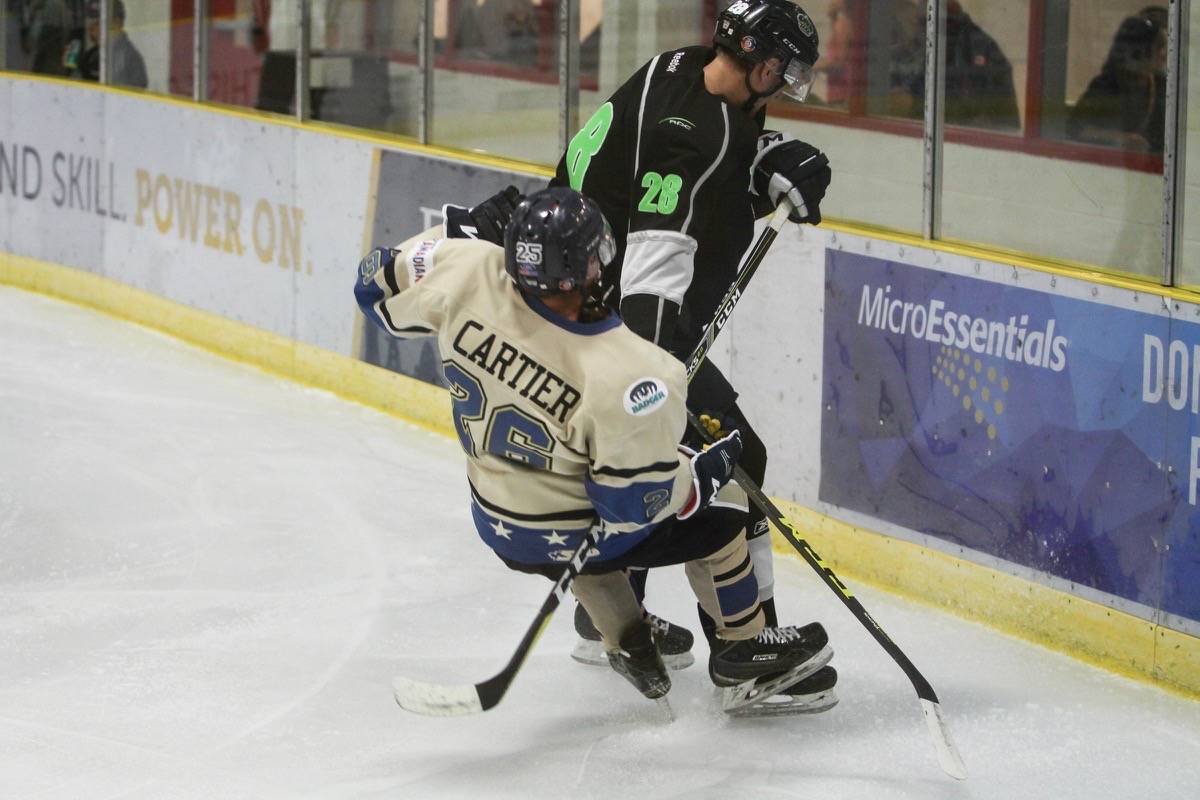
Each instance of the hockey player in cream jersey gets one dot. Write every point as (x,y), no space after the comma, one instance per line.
(570,422)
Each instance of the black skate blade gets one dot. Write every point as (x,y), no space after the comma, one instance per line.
(748,693)
(782,705)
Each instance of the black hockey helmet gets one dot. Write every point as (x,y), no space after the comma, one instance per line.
(556,240)
(754,31)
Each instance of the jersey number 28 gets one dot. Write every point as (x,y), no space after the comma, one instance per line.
(585,144)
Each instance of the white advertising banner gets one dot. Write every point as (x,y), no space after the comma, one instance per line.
(255,221)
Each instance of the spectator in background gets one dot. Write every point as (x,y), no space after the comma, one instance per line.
(45,29)
(128,68)
(1125,105)
(979,82)
(498,30)
(839,52)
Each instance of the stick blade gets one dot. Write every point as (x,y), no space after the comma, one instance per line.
(947,754)
(436,700)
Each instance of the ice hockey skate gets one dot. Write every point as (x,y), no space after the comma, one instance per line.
(751,670)
(639,662)
(674,641)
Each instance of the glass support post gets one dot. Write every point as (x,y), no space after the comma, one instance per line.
(935,117)
(568,71)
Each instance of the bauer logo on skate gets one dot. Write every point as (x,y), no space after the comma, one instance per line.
(1013,339)
(644,396)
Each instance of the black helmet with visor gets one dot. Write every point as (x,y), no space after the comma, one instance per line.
(755,31)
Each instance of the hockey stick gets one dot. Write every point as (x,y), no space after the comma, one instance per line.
(754,257)
(449,700)
(446,700)
(948,756)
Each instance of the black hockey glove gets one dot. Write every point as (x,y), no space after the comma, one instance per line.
(787,166)
(711,469)
(485,221)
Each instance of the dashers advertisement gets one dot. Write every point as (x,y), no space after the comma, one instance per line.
(1052,432)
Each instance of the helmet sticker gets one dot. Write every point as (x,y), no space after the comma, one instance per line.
(748,44)
(740,7)
(644,396)
(529,252)
(804,23)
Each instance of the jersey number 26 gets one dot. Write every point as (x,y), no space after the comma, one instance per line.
(510,433)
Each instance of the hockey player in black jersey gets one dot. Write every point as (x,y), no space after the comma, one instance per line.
(678,161)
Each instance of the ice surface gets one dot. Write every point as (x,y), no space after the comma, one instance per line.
(210,576)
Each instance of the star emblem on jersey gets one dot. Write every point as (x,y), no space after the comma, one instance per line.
(501,531)
(555,538)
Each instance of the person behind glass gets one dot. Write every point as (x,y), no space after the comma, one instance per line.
(840,51)
(1125,105)
(679,162)
(979,83)
(126,67)
(45,29)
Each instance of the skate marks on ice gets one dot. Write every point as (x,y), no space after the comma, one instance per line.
(197,556)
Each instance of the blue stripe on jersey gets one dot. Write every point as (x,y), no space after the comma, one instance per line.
(636,503)
(368,294)
(739,596)
(574,326)
(543,546)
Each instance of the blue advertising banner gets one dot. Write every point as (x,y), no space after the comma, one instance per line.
(1051,432)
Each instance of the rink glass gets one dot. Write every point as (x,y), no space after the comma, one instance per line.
(1053,141)
(1189,269)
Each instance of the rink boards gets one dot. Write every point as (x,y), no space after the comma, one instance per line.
(1002,439)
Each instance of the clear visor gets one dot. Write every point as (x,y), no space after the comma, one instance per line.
(798,79)
(607,248)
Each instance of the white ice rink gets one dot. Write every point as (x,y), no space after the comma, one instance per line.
(209,576)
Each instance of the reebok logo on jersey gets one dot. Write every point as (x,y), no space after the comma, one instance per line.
(644,396)
(675,59)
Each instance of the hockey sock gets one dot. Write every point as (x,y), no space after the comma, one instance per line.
(708,625)
(637,579)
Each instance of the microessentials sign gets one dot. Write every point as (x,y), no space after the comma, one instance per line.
(1010,339)
(1049,431)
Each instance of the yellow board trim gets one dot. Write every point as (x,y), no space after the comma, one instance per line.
(414,400)
(1086,630)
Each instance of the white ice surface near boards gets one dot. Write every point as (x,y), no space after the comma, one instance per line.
(209,576)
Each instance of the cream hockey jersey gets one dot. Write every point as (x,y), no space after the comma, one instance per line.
(566,425)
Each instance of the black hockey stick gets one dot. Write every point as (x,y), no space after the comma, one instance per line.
(754,257)
(449,700)
(948,756)
(446,700)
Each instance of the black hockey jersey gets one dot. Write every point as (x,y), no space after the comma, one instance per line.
(669,165)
